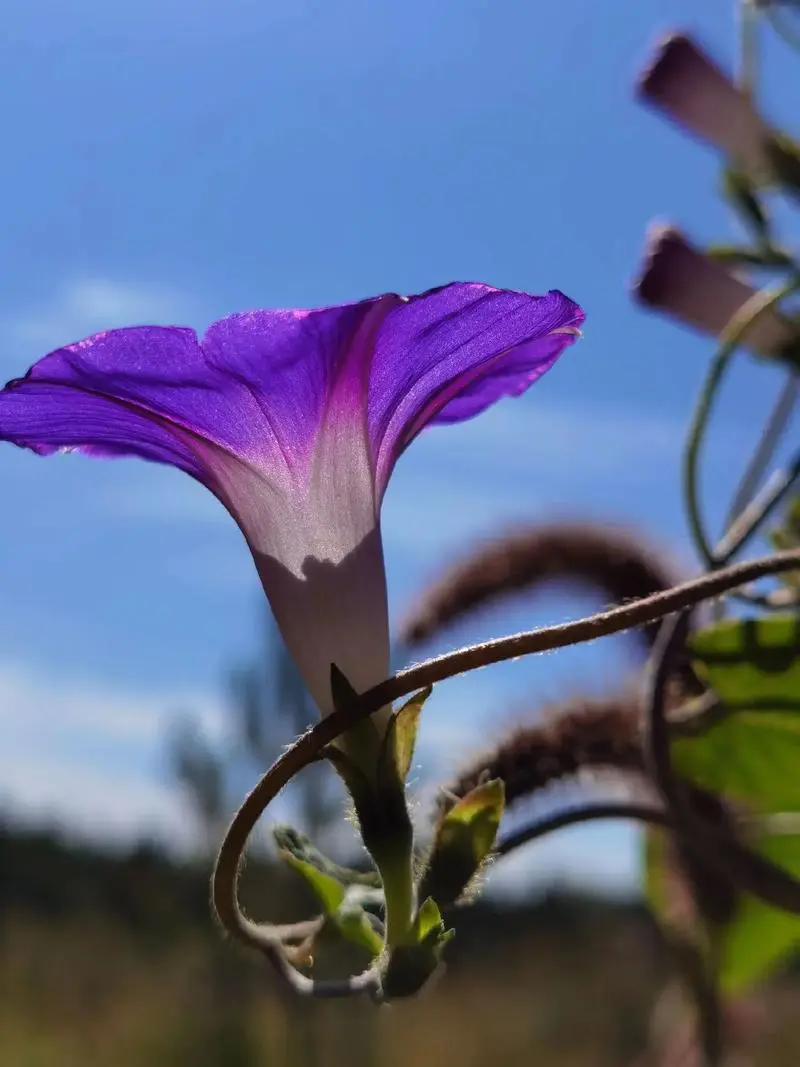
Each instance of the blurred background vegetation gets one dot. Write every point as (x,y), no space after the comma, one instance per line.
(111,957)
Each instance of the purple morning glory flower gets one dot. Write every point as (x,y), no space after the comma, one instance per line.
(295,420)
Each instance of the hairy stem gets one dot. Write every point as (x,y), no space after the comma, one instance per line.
(308,747)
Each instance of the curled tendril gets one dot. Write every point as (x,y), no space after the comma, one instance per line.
(733,335)
(774,429)
(307,748)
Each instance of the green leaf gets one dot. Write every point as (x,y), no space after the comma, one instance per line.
(481,811)
(328,891)
(464,839)
(753,753)
(331,884)
(353,922)
(760,935)
(288,839)
(401,736)
(752,756)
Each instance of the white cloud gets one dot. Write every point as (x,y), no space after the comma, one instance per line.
(90,755)
(42,707)
(108,805)
(524,439)
(87,755)
(87,305)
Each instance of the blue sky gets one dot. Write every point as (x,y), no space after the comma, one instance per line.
(172,162)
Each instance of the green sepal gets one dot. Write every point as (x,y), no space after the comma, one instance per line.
(742,256)
(741,192)
(401,736)
(341,690)
(407,968)
(784,159)
(464,840)
(429,928)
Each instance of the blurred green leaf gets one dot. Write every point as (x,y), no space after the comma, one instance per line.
(327,890)
(330,884)
(760,935)
(752,756)
(353,922)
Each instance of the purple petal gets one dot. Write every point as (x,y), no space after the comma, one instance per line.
(261,385)
(450,353)
(255,386)
(295,420)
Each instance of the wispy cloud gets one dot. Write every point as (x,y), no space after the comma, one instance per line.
(91,755)
(86,756)
(82,306)
(527,439)
(100,803)
(35,704)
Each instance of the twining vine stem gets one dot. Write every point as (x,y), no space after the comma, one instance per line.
(771,435)
(733,335)
(308,747)
(560,820)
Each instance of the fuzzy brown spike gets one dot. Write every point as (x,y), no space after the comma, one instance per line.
(584,733)
(611,560)
(597,733)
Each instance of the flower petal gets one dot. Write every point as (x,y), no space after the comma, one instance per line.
(295,419)
(89,396)
(255,386)
(450,353)
(684,83)
(681,281)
